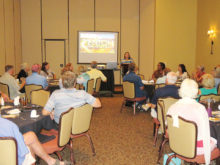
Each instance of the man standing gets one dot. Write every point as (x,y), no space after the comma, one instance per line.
(7,78)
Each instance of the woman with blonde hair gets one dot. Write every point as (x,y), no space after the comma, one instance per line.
(208,85)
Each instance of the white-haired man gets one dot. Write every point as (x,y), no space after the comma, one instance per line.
(170,90)
(62,100)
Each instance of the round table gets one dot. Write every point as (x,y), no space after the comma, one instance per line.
(26,123)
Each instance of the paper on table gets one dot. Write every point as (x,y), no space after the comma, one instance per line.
(144,81)
(9,116)
(14,111)
(34,114)
(6,107)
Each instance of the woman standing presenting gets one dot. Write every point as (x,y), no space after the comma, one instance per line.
(125,62)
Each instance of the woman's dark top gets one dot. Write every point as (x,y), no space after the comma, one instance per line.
(21,74)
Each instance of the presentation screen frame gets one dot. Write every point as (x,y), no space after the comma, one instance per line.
(97,32)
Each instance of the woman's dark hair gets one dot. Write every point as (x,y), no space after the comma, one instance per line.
(163,66)
(183,68)
(44,64)
(129,56)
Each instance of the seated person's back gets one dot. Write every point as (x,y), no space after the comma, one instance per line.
(95,73)
(189,109)
(8,79)
(35,78)
(64,99)
(170,90)
(208,83)
(132,77)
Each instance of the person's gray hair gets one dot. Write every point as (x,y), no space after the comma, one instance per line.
(69,79)
(24,65)
(171,78)
(202,68)
(93,64)
(217,72)
(188,89)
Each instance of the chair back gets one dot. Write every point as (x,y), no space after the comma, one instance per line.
(98,84)
(65,125)
(81,119)
(182,139)
(29,88)
(210,96)
(90,84)
(159,85)
(163,104)
(39,97)
(128,89)
(8,151)
(141,76)
(5,89)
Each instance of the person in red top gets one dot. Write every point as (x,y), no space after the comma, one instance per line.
(200,71)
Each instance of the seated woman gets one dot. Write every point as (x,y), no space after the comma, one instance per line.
(208,85)
(200,71)
(23,74)
(182,72)
(160,72)
(217,76)
(81,79)
(46,72)
(24,71)
(189,109)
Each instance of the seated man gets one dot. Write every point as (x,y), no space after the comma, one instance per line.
(36,78)
(160,72)
(95,73)
(26,143)
(170,90)
(132,77)
(67,97)
(7,78)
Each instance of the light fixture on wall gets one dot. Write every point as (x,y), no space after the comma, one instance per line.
(212,35)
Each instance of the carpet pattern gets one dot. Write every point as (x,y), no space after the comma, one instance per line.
(119,138)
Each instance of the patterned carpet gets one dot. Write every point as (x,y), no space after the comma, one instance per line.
(119,138)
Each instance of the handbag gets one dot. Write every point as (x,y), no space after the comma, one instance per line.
(173,161)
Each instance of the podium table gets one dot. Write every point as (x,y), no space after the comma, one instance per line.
(107,87)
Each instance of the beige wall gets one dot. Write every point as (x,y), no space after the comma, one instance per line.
(175,33)
(147,31)
(10,31)
(150,30)
(62,19)
(208,16)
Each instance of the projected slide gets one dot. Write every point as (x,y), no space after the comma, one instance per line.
(97,46)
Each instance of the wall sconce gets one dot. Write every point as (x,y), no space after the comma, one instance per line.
(212,35)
